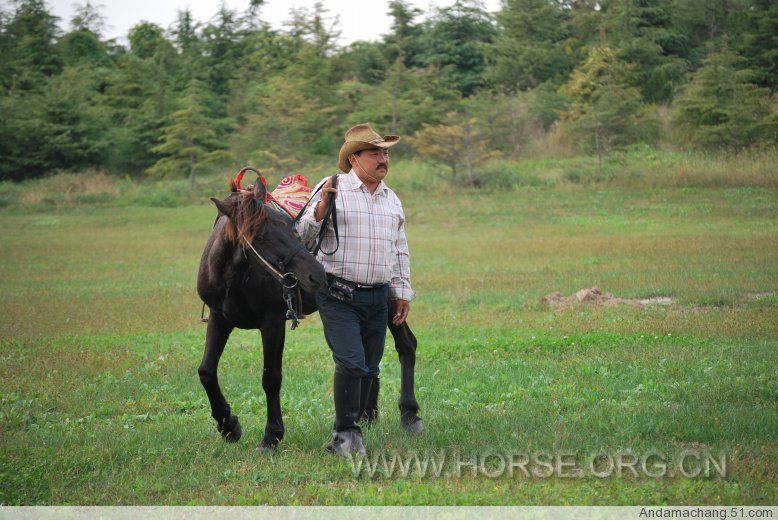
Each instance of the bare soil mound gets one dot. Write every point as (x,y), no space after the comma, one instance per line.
(596,297)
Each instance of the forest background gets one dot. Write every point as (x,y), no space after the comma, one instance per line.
(472,93)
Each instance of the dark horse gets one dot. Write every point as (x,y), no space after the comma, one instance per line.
(241,292)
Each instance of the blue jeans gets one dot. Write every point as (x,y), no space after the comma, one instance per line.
(356,331)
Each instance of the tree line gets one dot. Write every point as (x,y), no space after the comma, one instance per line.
(463,85)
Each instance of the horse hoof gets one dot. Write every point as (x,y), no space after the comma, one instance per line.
(412,424)
(269,442)
(266,449)
(230,429)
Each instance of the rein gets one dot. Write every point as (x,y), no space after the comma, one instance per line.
(330,215)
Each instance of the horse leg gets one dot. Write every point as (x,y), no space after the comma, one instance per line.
(273,331)
(405,344)
(215,340)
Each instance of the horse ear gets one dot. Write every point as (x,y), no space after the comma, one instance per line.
(224,206)
(260,189)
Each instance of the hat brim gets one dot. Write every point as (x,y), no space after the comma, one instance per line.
(350,147)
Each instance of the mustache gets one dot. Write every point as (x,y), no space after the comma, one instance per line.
(382,165)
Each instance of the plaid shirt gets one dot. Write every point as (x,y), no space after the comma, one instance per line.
(373,248)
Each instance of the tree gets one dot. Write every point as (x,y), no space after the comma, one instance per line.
(506,120)
(643,33)
(146,39)
(268,54)
(82,44)
(137,114)
(423,96)
(368,61)
(21,138)
(188,144)
(722,108)
(606,111)
(455,42)
(61,127)
(460,144)
(74,124)
(30,51)
(141,93)
(708,22)
(187,40)
(88,18)
(403,48)
(316,28)
(534,45)
(403,39)
(222,50)
(760,43)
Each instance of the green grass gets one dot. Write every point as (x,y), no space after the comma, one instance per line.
(100,401)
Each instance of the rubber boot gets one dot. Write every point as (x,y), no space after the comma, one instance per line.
(368,400)
(347,437)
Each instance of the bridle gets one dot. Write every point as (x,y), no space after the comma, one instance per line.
(278,271)
(287,279)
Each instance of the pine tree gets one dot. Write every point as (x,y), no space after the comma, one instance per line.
(534,45)
(455,42)
(760,43)
(722,108)
(606,111)
(189,143)
(505,119)
(30,53)
(82,44)
(644,36)
(403,39)
(460,144)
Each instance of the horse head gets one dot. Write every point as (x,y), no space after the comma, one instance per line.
(250,221)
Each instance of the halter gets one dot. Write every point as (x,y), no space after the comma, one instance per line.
(287,279)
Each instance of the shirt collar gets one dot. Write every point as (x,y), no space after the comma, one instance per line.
(356,183)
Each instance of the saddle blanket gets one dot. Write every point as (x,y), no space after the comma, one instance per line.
(291,194)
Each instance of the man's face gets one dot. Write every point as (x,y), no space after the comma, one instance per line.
(373,162)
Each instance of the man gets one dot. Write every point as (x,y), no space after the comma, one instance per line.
(373,259)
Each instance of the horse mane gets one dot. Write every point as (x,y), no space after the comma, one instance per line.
(248,215)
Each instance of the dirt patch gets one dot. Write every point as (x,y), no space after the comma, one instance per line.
(596,297)
(755,297)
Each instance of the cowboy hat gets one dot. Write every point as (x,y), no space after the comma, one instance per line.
(362,137)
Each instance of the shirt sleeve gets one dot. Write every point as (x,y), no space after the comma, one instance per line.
(400,286)
(307,226)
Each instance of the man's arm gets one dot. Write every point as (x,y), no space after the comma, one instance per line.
(309,224)
(400,286)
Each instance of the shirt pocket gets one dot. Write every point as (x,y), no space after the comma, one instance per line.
(392,227)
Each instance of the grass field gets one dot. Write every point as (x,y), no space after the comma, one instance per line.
(100,337)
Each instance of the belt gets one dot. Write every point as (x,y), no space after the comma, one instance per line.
(359,286)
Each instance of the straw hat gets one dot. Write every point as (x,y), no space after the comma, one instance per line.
(362,137)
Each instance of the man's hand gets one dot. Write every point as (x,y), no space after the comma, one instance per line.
(403,307)
(328,194)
